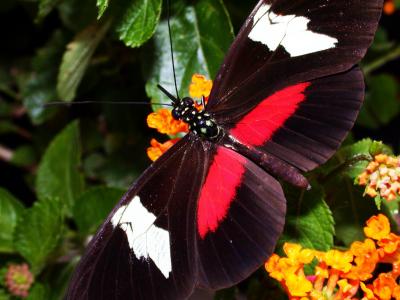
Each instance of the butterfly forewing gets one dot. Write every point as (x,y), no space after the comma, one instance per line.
(305,123)
(285,42)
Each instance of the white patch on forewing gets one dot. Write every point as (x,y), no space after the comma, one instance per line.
(145,239)
(288,31)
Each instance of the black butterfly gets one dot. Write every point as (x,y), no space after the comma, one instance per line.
(208,213)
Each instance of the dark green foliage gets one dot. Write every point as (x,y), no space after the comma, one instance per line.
(62,169)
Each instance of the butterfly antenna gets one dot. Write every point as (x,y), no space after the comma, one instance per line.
(168,94)
(171,48)
(62,103)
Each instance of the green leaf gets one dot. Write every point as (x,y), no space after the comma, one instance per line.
(45,7)
(58,173)
(350,209)
(39,231)
(226,294)
(76,15)
(41,85)
(309,221)
(381,104)
(10,211)
(201,34)
(381,41)
(139,22)
(57,276)
(37,292)
(352,160)
(76,59)
(24,156)
(8,127)
(93,206)
(102,6)
(4,295)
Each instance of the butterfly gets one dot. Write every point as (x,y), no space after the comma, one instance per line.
(210,210)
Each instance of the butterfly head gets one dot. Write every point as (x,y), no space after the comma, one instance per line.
(199,121)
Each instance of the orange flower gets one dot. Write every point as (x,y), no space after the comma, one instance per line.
(163,121)
(383,286)
(396,293)
(389,7)
(389,244)
(365,259)
(340,275)
(200,86)
(157,149)
(378,227)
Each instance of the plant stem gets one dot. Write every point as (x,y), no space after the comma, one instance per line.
(379,62)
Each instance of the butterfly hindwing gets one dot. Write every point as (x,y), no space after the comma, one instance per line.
(245,216)
(145,249)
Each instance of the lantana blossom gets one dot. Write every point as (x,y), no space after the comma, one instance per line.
(18,280)
(382,177)
(342,275)
(164,123)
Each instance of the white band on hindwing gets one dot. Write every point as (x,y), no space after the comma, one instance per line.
(145,239)
(290,32)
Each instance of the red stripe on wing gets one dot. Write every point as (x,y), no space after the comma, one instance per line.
(219,189)
(259,124)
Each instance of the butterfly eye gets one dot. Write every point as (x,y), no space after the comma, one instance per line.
(176,114)
(187,102)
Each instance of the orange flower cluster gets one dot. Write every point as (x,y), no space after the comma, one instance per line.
(342,275)
(382,177)
(157,149)
(163,121)
(389,7)
(18,280)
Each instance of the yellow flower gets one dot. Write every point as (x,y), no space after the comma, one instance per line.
(157,149)
(200,86)
(298,255)
(378,227)
(273,268)
(339,260)
(298,286)
(368,293)
(340,275)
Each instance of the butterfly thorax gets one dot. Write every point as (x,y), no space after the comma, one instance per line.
(199,121)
